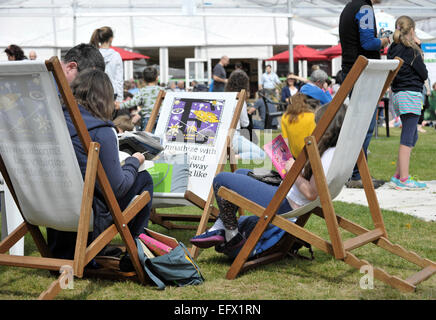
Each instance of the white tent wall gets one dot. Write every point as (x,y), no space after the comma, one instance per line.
(248,29)
(237,37)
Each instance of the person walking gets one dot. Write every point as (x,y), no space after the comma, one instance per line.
(219,74)
(358,36)
(102,39)
(269,80)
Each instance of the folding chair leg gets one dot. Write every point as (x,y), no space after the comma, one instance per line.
(56,286)
(301,221)
(39,240)
(248,247)
(13,237)
(203,221)
(325,198)
(86,208)
(371,196)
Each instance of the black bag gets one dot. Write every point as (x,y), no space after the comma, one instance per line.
(267,176)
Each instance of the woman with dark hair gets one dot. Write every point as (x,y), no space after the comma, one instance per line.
(94,94)
(225,233)
(289,89)
(243,148)
(102,39)
(15,53)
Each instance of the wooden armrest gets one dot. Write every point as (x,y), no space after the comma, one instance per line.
(241,201)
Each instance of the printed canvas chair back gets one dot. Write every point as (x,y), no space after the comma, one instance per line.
(36,147)
(362,105)
(39,164)
(197,123)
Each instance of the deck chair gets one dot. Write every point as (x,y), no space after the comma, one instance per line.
(368,79)
(10,217)
(199,192)
(39,165)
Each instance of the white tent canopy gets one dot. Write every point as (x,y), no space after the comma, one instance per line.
(154,29)
(252,29)
(163,23)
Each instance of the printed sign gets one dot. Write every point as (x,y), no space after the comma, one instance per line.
(197,123)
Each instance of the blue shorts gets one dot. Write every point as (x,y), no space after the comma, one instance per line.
(409,131)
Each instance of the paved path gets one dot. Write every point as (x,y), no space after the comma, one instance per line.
(419,203)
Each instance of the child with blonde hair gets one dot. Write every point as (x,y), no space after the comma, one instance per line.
(407,88)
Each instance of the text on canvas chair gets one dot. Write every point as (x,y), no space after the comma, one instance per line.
(38,163)
(224,153)
(370,79)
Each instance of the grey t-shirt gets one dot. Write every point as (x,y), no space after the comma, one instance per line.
(219,71)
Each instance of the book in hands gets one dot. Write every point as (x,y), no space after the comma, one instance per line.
(279,153)
(144,166)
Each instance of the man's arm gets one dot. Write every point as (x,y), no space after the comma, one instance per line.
(277,79)
(261,82)
(219,79)
(298,78)
(216,77)
(366,21)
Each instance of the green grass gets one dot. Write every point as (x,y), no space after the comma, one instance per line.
(384,152)
(322,278)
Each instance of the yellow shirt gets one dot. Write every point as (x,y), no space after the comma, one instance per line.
(296,131)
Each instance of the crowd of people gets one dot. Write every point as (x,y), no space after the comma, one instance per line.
(107,102)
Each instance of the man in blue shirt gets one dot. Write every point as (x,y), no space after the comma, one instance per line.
(358,36)
(269,80)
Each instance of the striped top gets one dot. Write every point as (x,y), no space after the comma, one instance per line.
(408,102)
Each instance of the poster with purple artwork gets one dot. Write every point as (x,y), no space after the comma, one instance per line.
(198,124)
(194,121)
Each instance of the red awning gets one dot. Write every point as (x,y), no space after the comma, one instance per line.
(301,52)
(336,51)
(129,55)
(332,52)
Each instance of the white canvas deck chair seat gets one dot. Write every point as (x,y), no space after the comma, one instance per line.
(370,79)
(207,116)
(38,163)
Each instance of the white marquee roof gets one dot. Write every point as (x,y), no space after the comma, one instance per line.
(161,23)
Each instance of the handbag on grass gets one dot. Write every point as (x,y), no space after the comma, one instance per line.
(177,267)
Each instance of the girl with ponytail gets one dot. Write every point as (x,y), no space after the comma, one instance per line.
(102,39)
(408,98)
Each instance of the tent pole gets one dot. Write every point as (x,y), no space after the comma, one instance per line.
(290,37)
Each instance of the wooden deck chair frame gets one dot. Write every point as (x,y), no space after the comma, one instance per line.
(83,253)
(337,247)
(209,211)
